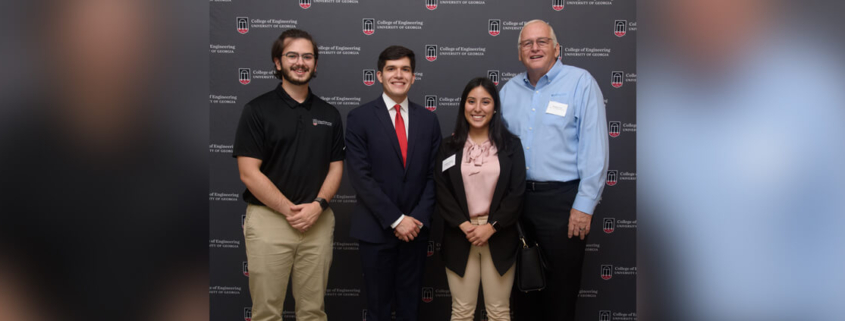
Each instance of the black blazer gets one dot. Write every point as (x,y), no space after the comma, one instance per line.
(505,207)
(385,189)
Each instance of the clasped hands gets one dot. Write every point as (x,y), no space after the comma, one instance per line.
(477,234)
(302,216)
(408,228)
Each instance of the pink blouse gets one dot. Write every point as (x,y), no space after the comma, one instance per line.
(480,171)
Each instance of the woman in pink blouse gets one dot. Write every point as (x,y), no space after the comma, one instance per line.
(480,177)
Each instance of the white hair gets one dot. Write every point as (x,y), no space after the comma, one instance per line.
(551,31)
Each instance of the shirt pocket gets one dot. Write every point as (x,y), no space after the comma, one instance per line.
(559,103)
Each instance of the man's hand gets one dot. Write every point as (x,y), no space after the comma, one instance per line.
(284,206)
(579,223)
(407,229)
(480,234)
(304,215)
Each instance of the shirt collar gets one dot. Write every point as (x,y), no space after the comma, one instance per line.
(390,103)
(548,77)
(292,103)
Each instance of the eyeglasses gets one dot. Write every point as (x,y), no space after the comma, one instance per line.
(541,42)
(292,56)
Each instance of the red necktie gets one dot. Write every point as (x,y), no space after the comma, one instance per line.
(400,133)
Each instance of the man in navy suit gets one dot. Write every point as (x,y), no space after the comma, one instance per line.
(390,148)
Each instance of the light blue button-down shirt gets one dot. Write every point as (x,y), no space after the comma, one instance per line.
(561,148)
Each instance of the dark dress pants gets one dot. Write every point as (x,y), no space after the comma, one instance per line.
(546,219)
(393,278)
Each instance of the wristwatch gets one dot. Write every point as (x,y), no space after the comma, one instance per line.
(493,224)
(323,203)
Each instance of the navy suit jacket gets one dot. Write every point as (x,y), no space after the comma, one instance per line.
(385,189)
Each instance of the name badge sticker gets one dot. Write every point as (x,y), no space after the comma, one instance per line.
(556,108)
(448,162)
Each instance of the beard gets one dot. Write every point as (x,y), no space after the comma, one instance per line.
(287,75)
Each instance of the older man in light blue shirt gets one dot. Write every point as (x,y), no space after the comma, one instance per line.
(558,113)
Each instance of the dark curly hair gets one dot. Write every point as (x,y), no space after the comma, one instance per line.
(279,47)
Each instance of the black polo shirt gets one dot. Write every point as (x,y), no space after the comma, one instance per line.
(296,142)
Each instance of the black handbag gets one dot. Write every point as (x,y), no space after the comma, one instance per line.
(530,265)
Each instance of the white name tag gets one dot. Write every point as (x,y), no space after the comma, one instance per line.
(556,108)
(448,162)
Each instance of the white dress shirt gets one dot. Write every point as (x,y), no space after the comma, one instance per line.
(403,108)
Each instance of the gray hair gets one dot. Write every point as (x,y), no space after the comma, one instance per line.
(551,31)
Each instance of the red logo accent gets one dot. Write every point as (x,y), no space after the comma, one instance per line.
(494,27)
(427,295)
(431,52)
(243,76)
(611,178)
(606,272)
(608,226)
(620,27)
(616,79)
(369,26)
(493,75)
(431,102)
(242,24)
(614,129)
(369,77)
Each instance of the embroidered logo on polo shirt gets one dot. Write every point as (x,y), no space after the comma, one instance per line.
(316,122)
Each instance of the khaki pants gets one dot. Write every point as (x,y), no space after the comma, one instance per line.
(480,270)
(274,249)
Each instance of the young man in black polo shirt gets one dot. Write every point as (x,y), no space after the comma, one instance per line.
(290,150)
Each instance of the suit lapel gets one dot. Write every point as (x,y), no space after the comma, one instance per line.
(380,110)
(458,182)
(414,133)
(501,183)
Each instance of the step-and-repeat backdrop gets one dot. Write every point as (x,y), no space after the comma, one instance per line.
(454,40)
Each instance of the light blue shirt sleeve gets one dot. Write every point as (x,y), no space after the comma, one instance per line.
(593,151)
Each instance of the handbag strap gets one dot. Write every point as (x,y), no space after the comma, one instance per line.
(521,235)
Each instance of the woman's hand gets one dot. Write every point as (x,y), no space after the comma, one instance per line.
(480,234)
(466,227)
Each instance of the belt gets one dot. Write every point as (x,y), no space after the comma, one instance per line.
(534,186)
